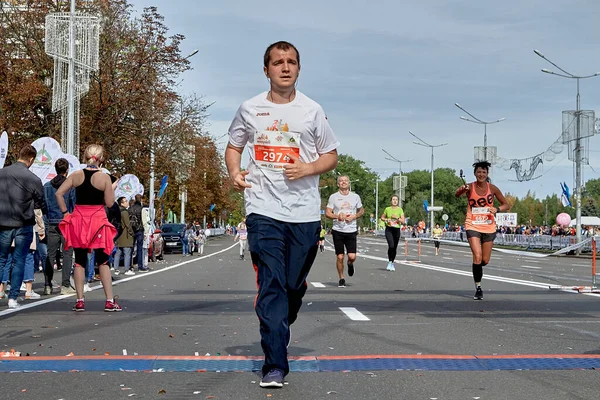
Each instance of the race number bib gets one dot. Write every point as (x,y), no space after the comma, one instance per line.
(482,216)
(271,149)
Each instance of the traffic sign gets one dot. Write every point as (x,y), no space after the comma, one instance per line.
(445,217)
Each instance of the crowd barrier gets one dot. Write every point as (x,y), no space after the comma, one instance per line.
(210,232)
(528,242)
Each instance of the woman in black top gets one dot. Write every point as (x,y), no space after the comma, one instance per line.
(88,229)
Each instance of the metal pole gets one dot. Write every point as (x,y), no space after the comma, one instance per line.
(183,200)
(377,204)
(484,142)
(70,142)
(578,169)
(431,212)
(151,194)
(400,184)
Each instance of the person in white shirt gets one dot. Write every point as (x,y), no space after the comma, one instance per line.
(344,208)
(289,144)
(242,236)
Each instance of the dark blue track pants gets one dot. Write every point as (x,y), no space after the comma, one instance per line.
(282,255)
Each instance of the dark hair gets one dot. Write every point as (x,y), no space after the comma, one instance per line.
(482,164)
(138,198)
(281,45)
(120,200)
(61,166)
(27,152)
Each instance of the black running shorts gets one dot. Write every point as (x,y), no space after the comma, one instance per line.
(343,239)
(484,237)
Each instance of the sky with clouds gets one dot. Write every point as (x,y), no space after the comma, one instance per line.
(381,68)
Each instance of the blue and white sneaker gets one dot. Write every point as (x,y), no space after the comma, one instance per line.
(390,267)
(273,379)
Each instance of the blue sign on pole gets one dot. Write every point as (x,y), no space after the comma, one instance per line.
(212,207)
(426,205)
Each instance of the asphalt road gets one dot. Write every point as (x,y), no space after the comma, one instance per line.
(415,333)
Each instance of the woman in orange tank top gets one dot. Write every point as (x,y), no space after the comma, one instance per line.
(480,222)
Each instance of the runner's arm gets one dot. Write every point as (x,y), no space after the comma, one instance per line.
(233,159)
(504,204)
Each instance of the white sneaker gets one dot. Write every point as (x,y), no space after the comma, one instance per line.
(87,288)
(32,295)
(392,268)
(389,265)
(112,268)
(12,303)
(23,287)
(129,272)
(117,272)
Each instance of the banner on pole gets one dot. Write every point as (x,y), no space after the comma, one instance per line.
(48,151)
(506,219)
(128,186)
(3,148)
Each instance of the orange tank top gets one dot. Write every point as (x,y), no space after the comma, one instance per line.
(478,216)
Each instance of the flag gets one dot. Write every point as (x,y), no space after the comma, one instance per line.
(212,207)
(565,198)
(163,186)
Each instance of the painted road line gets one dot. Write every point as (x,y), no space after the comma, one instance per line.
(529,266)
(447,258)
(38,303)
(535,284)
(317,284)
(354,314)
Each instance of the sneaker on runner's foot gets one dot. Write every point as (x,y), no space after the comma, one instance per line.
(342,283)
(112,306)
(79,306)
(273,379)
(478,294)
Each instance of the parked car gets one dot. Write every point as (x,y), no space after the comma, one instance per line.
(156,247)
(172,235)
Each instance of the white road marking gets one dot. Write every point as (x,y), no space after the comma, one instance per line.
(317,284)
(529,266)
(540,285)
(38,303)
(447,258)
(354,314)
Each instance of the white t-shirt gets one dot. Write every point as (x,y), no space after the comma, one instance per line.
(270,131)
(349,204)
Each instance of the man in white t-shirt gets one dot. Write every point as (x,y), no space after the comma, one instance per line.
(344,208)
(289,144)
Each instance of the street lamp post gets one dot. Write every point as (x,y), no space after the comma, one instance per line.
(423,143)
(578,179)
(480,122)
(392,158)
(152,156)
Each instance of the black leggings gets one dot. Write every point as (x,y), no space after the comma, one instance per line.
(392,235)
(81,256)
